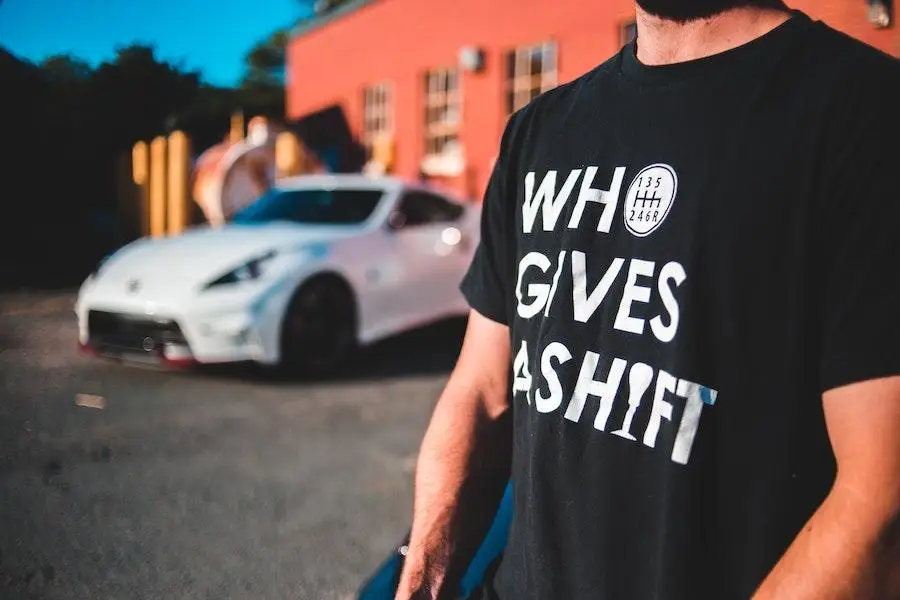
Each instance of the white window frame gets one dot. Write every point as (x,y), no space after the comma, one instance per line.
(522,85)
(378,112)
(442,93)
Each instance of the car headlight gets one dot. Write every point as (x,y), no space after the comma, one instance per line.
(249,271)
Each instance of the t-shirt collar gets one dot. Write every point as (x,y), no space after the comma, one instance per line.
(632,68)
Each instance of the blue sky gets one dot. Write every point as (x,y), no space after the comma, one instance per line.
(210,35)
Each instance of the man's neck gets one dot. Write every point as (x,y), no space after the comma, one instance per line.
(663,42)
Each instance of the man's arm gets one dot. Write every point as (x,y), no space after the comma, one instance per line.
(463,465)
(850,548)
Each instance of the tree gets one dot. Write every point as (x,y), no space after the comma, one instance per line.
(262,85)
(71,122)
(265,60)
(261,89)
(323,7)
(64,68)
(136,96)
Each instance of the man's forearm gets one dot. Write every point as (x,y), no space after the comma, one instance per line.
(462,470)
(849,550)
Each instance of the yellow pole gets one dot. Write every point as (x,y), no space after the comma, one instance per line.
(140,167)
(383,152)
(287,154)
(179,165)
(158,187)
(237,127)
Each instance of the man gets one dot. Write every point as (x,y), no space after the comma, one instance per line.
(688,281)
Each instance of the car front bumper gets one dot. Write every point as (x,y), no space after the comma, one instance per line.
(181,333)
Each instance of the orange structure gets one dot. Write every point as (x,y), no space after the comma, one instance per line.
(440,77)
(231,174)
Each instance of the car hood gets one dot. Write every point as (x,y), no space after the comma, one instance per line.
(204,253)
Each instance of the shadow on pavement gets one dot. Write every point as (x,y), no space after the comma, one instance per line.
(6,340)
(429,350)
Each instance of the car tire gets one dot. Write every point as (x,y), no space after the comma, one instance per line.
(318,331)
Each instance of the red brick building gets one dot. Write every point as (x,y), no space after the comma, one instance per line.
(440,77)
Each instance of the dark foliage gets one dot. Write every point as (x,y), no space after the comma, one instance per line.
(68,125)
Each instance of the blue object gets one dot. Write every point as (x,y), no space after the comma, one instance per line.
(331,158)
(382,585)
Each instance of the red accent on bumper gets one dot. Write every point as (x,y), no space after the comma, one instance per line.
(178,363)
(87,349)
(175,363)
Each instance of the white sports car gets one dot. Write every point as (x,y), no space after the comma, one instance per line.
(312,268)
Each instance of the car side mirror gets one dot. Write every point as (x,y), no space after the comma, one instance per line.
(396,221)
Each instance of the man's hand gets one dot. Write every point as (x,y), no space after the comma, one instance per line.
(850,549)
(463,465)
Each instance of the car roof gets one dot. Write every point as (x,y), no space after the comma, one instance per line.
(354,180)
(358,180)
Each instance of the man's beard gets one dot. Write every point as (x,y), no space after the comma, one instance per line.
(689,10)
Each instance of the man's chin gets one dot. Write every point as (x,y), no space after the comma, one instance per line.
(683,11)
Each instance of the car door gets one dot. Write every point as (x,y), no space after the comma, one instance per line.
(434,251)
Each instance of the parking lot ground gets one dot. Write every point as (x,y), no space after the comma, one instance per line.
(126,482)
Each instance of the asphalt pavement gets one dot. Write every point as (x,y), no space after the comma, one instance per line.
(132,483)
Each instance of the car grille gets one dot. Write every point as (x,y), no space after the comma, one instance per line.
(120,332)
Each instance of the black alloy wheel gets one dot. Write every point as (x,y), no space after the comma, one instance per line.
(319,330)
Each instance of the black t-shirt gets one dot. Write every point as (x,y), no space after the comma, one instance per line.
(687,257)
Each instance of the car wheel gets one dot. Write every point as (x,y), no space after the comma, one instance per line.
(319,328)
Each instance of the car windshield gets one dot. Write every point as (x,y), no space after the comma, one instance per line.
(314,205)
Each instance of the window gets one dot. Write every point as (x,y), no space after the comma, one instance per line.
(378,113)
(424,208)
(530,71)
(313,205)
(442,105)
(628,32)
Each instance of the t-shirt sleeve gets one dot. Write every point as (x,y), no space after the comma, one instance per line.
(486,284)
(860,308)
